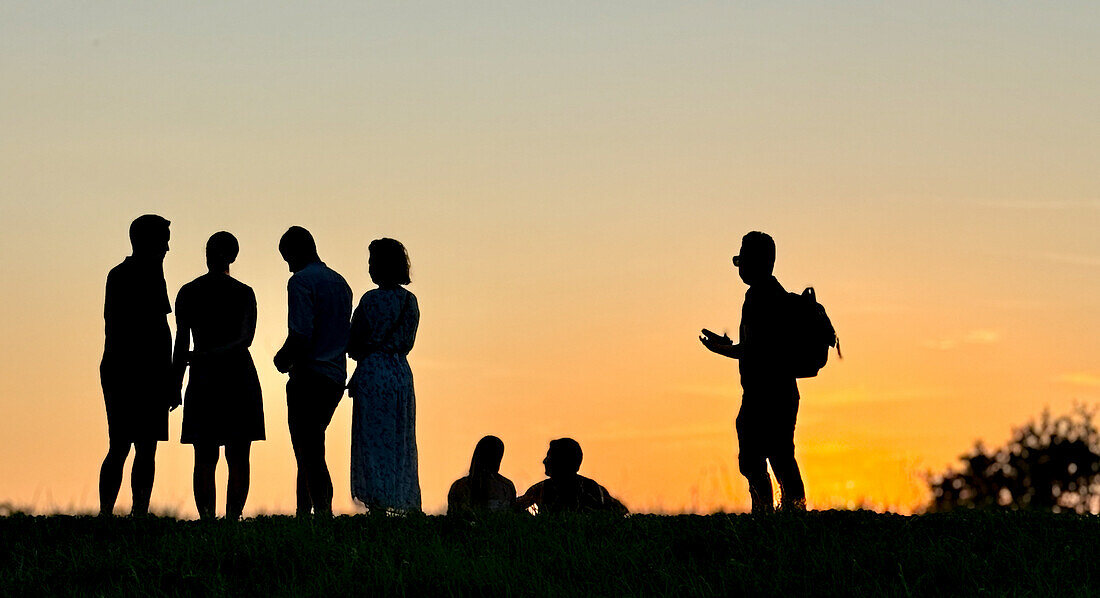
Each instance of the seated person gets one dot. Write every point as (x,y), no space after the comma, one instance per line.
(484,489)
(566,491)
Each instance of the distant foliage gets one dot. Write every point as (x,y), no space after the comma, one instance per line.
(1051,464)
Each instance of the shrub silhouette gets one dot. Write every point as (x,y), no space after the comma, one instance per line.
(1050,464)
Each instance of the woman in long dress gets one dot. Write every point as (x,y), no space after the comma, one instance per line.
(222,405)
(383,434)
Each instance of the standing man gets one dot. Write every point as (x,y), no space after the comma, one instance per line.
(314,356)
(136,372)
(769,404)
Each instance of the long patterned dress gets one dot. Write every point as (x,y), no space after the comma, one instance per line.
(383,427)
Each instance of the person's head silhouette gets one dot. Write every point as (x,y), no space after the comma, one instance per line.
(298,248)
(149,237)
(388,263)
(563,458)
(221,250)
(487,455)
(756,258)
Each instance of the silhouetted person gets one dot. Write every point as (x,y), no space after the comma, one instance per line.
(484,489)
(567,491)
(314,356)
(383,424)
(769,404)
(223,405)
(136,372)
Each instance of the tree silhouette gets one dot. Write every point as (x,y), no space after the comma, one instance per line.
(1050,464)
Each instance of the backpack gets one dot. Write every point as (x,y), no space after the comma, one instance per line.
(811,335)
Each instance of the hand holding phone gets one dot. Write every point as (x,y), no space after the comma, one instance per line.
(710,336)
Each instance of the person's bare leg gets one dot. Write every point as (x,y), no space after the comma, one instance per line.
(206,463)
(236,455)
(141,476)
(110,476)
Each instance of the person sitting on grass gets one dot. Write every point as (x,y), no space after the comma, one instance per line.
(484,490)
(566,491)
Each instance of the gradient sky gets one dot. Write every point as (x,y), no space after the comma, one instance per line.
(571,180)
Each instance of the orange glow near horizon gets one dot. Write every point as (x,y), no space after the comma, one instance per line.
(570,187)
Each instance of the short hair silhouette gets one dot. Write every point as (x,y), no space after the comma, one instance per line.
(565,455)
(388,262)
(297,242)
(759,247)
(221,250)
(148,232)
(487,456)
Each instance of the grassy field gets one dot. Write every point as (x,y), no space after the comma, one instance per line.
(811,554)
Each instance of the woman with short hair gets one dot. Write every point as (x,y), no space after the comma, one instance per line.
(383,433)
(223,405)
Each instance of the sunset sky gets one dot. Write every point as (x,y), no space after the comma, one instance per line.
(570,180)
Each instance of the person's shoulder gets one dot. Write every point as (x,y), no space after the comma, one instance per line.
(369,298)
(590,486)
(537,487)
(121,271)
(505,483)
(587,482)
(323,269)
(190,287)
(238,286)
(778,287)
(303,280)
(242,291)
(119,268)
(332,277)
(298,278)
(461,485)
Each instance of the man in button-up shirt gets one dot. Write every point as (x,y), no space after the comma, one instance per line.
(314,355)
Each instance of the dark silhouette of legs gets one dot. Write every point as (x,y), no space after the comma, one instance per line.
(314,481)
(311,401)
(141,476)
(305,505)
(206,463)
(793,492)
(236,455)
(110,476)
(755,470)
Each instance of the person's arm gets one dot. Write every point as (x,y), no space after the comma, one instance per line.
(292,351)
(530,498)
(360,332)
(511,494)
(412,314)
(118,310)
(299,325)
(180,355)
(458,499)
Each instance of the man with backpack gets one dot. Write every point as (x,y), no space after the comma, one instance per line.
(769,404)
